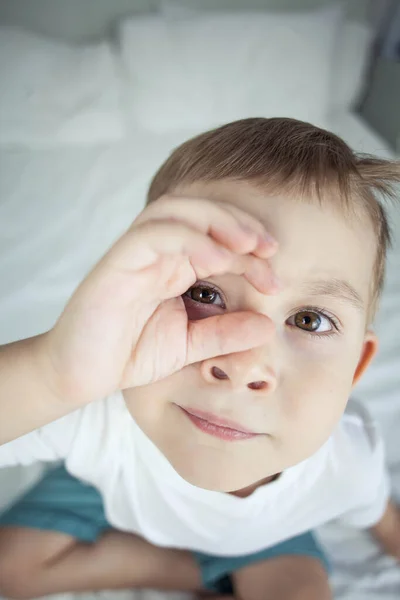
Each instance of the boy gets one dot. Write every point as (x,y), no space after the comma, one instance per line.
(236,353)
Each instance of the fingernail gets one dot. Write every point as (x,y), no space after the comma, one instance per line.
(267,237)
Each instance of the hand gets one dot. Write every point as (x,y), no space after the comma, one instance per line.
(387,530)
(126,325)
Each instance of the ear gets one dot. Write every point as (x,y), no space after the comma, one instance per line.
(368,351)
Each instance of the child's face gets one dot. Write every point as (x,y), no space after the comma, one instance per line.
(318,350)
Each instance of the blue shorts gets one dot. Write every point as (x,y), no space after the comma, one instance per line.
(60,502)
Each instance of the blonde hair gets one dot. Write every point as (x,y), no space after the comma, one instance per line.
(289,156)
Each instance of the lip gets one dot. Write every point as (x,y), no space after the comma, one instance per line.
(224,429)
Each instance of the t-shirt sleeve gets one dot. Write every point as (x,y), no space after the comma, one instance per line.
(371,477)
(49,443)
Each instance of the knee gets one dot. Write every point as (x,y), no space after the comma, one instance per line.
(313,585)
(312,591)
(14,583)
(16,573)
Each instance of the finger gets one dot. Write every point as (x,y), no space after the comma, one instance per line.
(235,229)
(259,273)
(267,245)
(140,247)
(224,334)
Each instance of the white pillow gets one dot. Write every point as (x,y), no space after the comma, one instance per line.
(211,68)
(353,45)
(54,93)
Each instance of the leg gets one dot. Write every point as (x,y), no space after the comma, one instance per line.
(36,563)
(286,577)
(57,538)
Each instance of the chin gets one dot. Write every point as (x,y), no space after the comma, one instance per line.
(213,481)
(212,475)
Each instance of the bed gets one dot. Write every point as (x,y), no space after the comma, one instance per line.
(74,174)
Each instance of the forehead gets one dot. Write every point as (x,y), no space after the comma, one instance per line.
(316,241)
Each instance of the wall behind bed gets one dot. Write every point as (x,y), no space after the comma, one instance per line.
(85,19)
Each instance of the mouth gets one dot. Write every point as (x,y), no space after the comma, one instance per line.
(223,429)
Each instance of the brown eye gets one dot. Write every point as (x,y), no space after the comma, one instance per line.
(203,294)
(310,321)
(314,322)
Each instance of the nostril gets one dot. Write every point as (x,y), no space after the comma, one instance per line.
(218,373)
(257,385)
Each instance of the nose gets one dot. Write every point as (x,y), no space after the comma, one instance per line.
(242,370)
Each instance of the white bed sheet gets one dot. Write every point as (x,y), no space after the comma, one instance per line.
(61,209)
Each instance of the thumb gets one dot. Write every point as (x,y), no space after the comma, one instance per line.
(225,334)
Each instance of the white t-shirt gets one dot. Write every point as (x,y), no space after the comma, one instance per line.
(142,493)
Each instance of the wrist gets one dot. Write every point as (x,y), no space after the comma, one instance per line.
(31,395)
(41,356)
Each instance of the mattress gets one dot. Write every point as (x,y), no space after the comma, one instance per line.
(75,202)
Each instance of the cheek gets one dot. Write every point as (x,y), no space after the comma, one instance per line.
(315,393)
(319,399)
(312,412)
(322,363)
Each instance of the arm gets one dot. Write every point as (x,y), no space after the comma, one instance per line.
(387,530)
(130,303)
(28,392)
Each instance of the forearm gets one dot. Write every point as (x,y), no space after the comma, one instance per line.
(28,392)
(387,531)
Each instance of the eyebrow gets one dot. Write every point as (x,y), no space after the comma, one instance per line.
(336,288)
